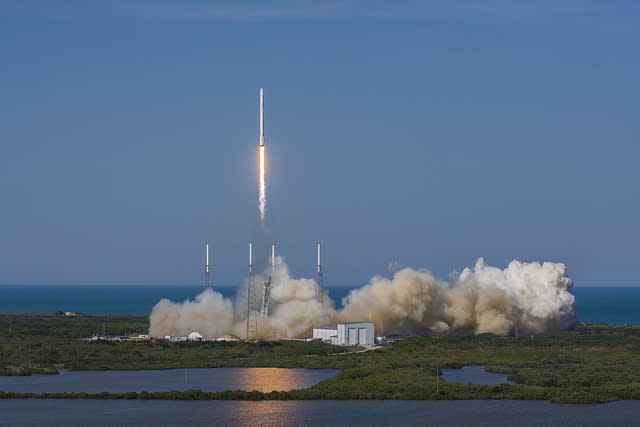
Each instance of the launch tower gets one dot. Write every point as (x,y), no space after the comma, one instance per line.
(266,290)
(252,314)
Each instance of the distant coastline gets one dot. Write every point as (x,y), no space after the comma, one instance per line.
(607,304)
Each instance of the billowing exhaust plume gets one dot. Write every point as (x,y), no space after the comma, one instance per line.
(527,297)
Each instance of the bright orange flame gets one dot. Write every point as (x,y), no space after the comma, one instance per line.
(262,202)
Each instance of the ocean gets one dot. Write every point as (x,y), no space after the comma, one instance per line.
(608,304)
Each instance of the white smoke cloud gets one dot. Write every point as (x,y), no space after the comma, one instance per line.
(529,297)
(210,314)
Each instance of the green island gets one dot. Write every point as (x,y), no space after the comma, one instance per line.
(594,363)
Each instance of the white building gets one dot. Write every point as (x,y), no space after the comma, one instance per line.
(325,333)
(355,333)
(348,333)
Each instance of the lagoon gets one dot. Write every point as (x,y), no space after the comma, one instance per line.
(313,413)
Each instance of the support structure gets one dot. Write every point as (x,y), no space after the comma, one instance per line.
(319,289)
(266,290)
(252,315)
(207,272)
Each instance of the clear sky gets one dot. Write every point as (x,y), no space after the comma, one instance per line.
(426,133)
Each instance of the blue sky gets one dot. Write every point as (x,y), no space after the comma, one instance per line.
(423,133)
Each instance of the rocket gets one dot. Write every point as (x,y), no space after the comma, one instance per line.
(206,267)
(261,117)
(262,186)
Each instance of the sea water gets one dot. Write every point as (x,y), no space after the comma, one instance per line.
(609,304)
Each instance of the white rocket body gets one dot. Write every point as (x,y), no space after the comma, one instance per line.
(261,117)
(207,263)
(273,258)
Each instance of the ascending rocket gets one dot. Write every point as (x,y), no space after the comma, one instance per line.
(262,188)
(261,117)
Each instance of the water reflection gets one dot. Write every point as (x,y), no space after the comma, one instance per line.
(275,379)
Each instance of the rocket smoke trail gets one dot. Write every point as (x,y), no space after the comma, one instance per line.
(262,188)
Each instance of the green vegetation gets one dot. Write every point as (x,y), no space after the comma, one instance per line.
(594,363)
(41,344)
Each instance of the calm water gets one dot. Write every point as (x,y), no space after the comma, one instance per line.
(315,413)
(617,305)
(206,379)
(474,375)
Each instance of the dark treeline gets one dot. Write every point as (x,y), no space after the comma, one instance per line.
(446,391)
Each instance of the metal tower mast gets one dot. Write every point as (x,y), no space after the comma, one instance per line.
(319,290)
(252,316)
(207,273)
(266,290)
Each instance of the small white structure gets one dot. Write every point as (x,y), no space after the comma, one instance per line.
(175,338)
(194,336)
(224,338)
(355,333)
(325,333)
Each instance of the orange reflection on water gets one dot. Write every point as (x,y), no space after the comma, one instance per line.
(269,413)
(274,379)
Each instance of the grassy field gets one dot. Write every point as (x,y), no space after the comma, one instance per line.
(594,363)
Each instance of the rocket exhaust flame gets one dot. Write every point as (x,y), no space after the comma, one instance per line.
(262,189)
(262,198)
